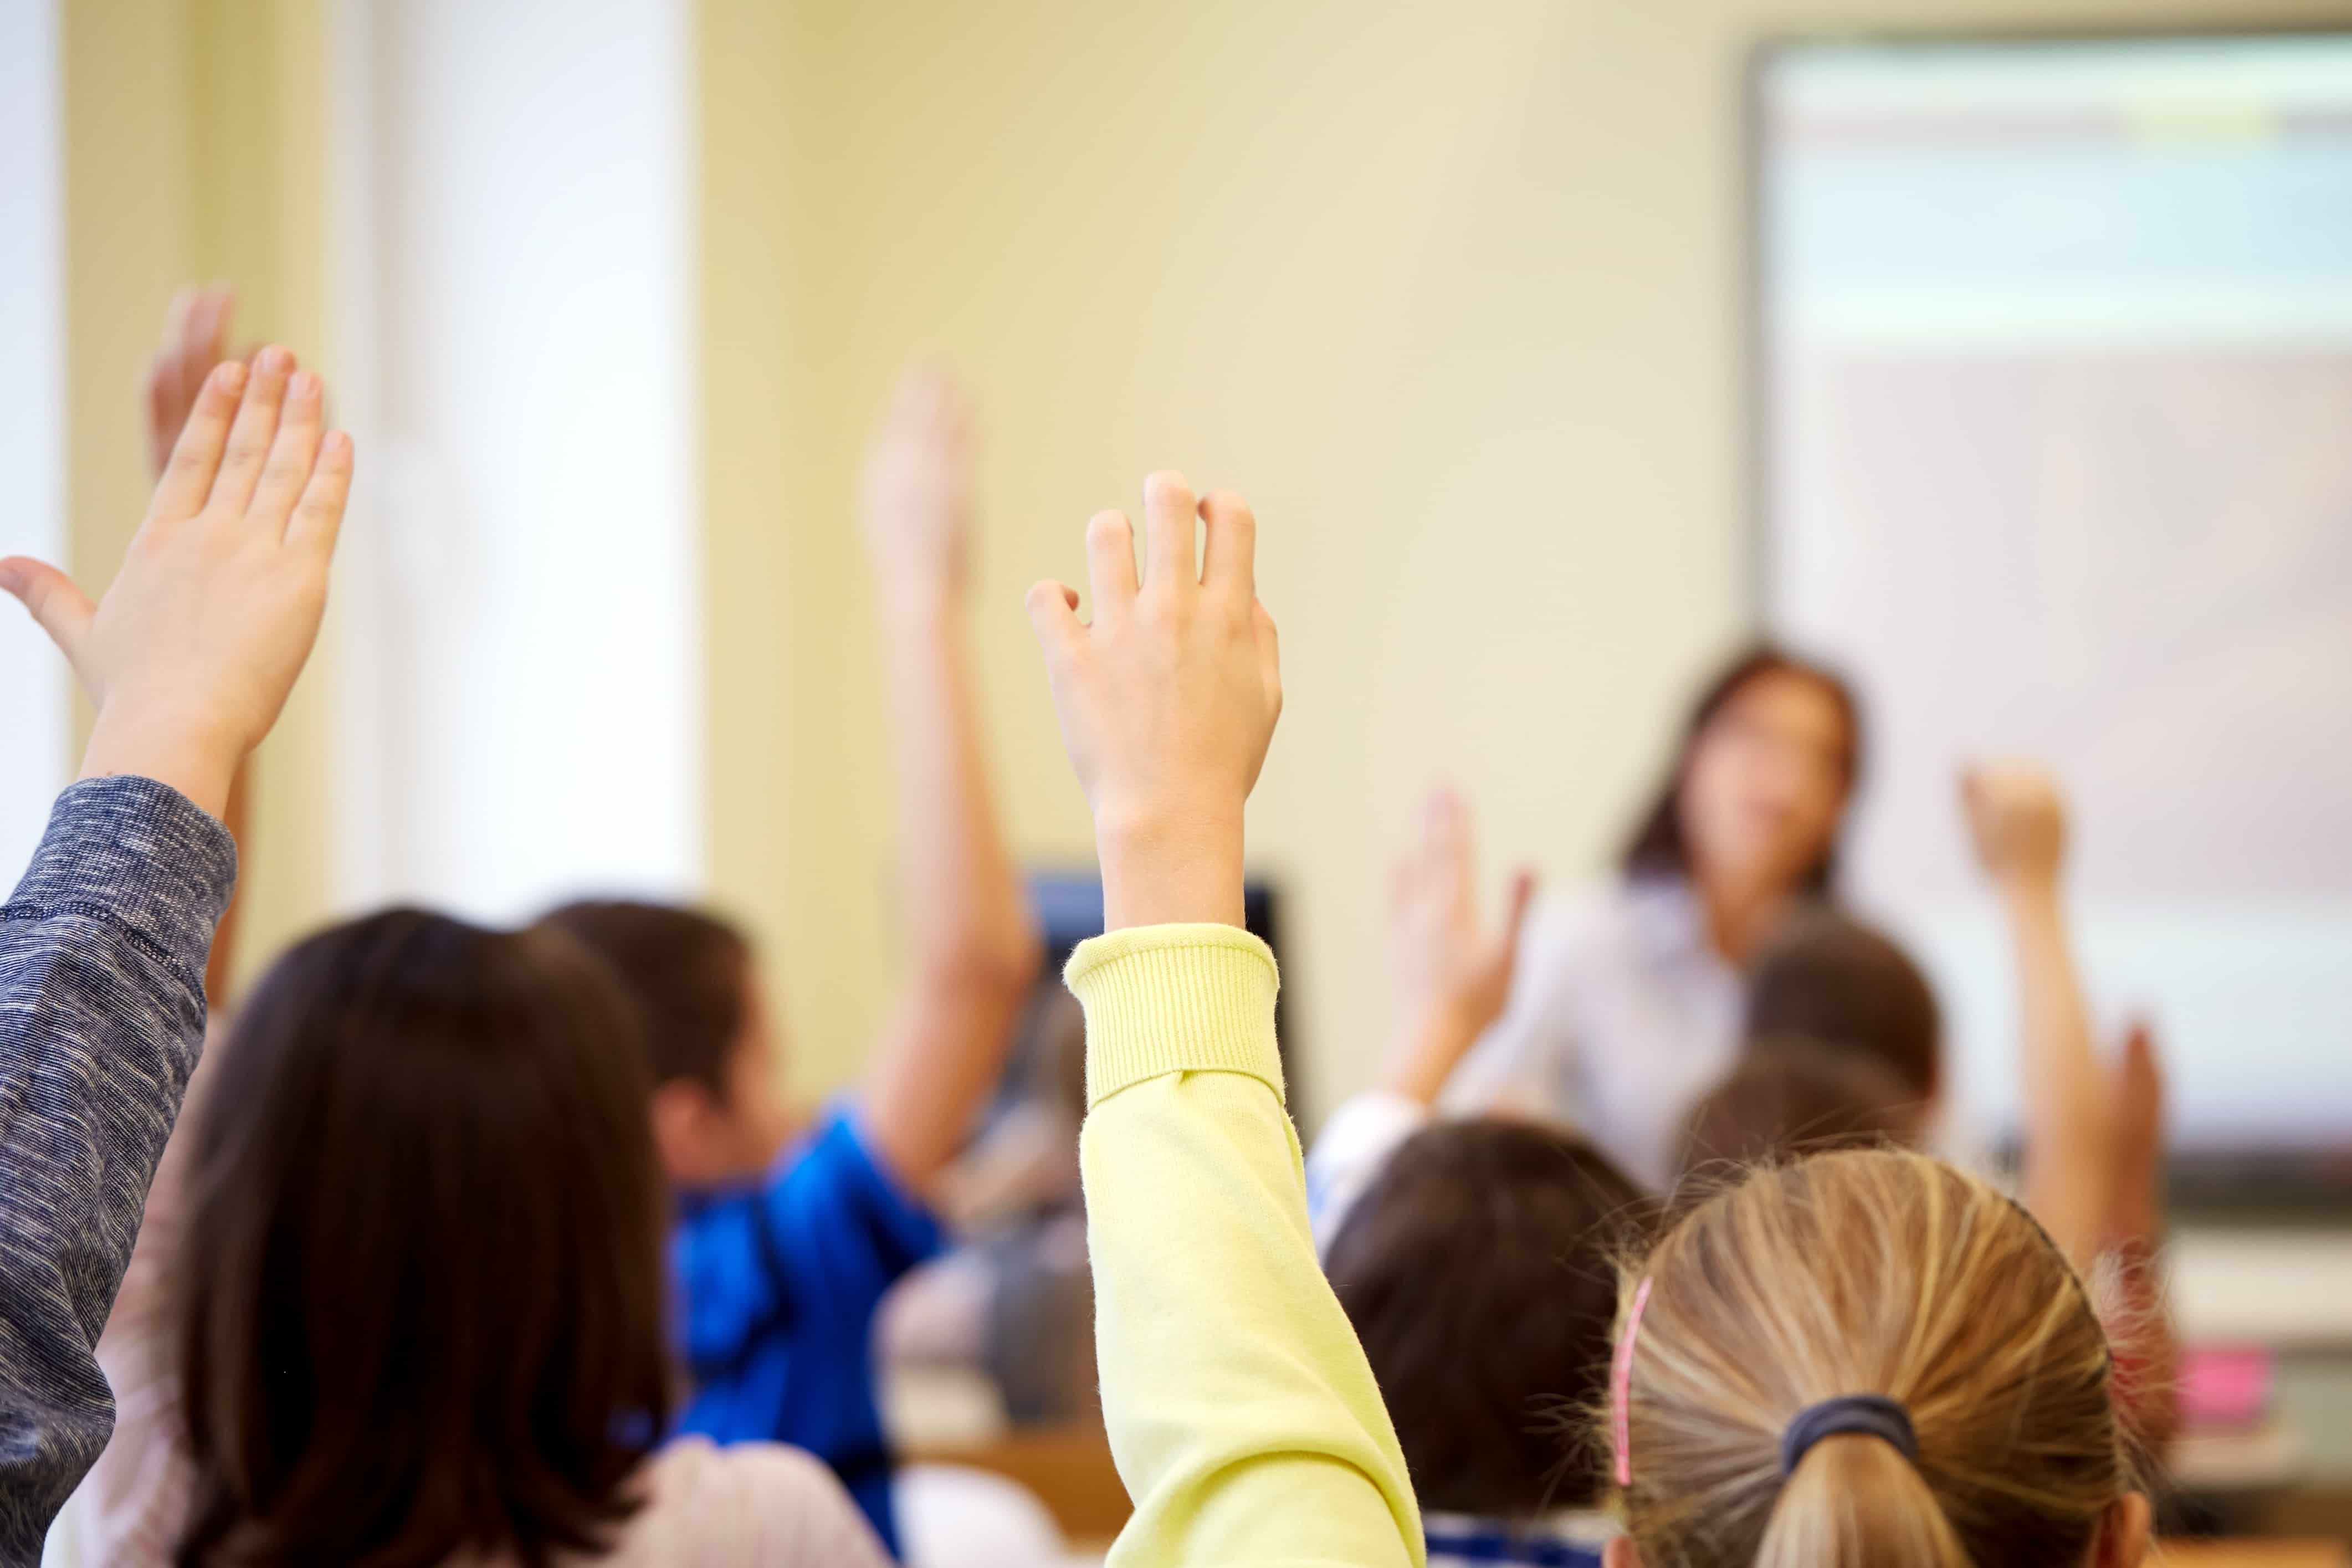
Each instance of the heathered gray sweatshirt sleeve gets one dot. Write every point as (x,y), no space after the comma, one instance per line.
(102,952)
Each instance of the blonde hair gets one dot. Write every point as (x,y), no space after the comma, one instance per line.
(1868,1272)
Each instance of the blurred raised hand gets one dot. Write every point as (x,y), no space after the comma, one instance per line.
(195,338)
(2147,1340)
(190,655)
(2135,1122)
(2017,819)
(918,499)
(1451,968)
(968,937)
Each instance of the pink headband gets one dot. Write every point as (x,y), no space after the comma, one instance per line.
(1620,1385)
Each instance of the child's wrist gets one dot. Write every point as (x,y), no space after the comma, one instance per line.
(2036,891)
(1435,1038)
(195,759)
(1165,865)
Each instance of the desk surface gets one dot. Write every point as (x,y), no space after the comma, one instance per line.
(2252,1554)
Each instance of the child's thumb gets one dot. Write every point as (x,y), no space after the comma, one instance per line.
(50,597)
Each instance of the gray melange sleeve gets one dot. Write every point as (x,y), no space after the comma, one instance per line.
(103,955)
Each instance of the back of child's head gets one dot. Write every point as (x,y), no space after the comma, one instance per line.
(1760,1315)
(1789,1095)
(1835,980)
(1477,1270)
(421,1294)
(689,973)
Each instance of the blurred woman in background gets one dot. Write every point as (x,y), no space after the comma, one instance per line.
(1628,999)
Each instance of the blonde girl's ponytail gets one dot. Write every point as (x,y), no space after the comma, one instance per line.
(1865,1358)
(1852,1500)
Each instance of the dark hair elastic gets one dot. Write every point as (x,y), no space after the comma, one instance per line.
(1873,1414)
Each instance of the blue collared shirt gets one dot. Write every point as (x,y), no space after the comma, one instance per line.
(778,1285)
(1570,1538)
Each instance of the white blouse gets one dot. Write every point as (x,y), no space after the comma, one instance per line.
(1621,1017)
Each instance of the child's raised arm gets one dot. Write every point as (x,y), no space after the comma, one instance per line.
(1452,973)
(2147,1344)
(1241,1410)
(188,658)
(2018,821)
(972,943)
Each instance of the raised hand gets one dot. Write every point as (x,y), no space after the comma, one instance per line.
(191,653)
(968,939)
(916,500)
(194,335)
(2148,1342)
(2018,820)
(1166,701)
(1452,970)
(2136,1113)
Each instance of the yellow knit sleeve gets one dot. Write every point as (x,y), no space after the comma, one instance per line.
(1241,1410)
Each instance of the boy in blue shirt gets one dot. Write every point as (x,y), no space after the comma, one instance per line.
(789,1236)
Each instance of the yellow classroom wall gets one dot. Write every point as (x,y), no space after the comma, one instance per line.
(196,148)
(1450,290)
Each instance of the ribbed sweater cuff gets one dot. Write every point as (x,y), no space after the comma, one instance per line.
(139,854)
(1175,998)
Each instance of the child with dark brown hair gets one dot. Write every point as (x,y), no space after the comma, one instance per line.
(399,1297)
(1476,1271)
(1792,1094)
(1831,978)
(1845,1049)
(1473,1257)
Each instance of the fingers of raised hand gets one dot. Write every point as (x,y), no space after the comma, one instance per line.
(1052,613)
(1230,557)
(318,516)
(254,431)
(195,456)
(293,452)
(1110,564)
(1170,515)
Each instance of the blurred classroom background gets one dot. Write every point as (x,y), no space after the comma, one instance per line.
(1512,319)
